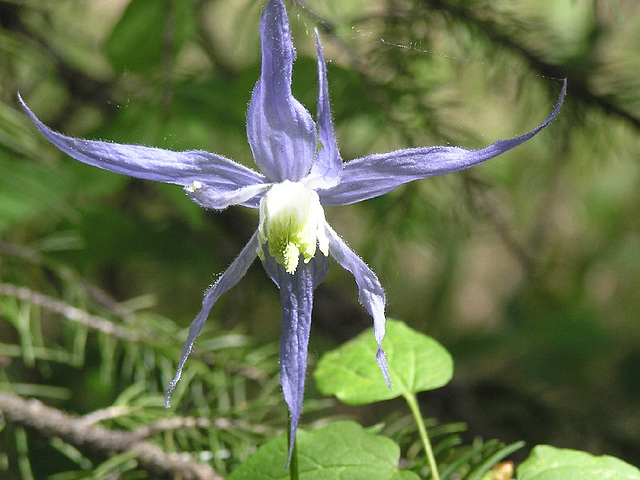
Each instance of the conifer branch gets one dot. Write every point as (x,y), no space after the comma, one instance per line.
(579,84)
(72,313)
(89,439)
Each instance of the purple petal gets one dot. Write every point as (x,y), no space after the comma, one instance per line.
(281,132)
(370,291)
(182,168)
(375,175)
(327,170)
(219,199)
(228,279)
(296,292)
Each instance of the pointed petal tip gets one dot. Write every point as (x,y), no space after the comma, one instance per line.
(22,103)
(169,391)
(28,111)
(186,351)
(381,358)
(292,442)
(565,81)
(554,113)
(326,171)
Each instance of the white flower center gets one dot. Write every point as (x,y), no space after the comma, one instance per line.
(292,224)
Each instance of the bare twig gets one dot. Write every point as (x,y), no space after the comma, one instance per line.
(72,313)
(176,423)
(34,257)
(48,422)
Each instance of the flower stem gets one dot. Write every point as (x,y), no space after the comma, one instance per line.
(412,401)
(293,463)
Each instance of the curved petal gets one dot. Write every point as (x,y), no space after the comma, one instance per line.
(281,132)
(219,199)
(370,291)
(375,175)
(182,168)
(228,279)
(327,169)
(296,292)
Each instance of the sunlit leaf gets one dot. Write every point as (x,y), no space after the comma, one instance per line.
(550,463)
(342,450)
(416,363)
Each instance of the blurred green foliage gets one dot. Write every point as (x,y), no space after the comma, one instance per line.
(526,268)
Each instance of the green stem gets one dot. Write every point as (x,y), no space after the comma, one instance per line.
(412,401)
(293,464)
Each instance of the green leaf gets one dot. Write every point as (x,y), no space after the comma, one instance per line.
(140,39)
(342,450)
(550,463)
(416,363)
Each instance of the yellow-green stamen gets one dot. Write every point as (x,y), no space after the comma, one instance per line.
(292,224)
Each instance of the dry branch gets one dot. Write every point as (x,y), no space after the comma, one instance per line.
(48,422)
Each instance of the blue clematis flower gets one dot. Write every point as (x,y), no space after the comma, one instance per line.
(301,171)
